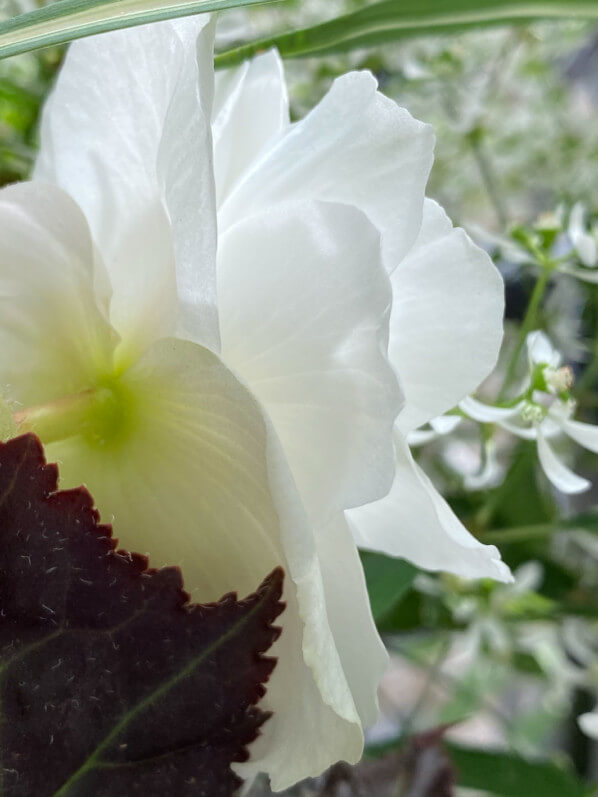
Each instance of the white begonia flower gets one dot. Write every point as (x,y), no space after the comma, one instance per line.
(543,413)
(232,435)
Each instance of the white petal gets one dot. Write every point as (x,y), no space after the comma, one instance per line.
(586,434)
(251,111)
(582,240)
(54,338)
(304,305)
(524,432)
(490,474)
(559,474)
(445,424)
(581,273)
(446,322)
(196,478)
(486,413)
(363,656)
(186,172)
(589,723)
(540,350)
(415,523)
(421,437)
(442,425)
(126,132)
(356,147)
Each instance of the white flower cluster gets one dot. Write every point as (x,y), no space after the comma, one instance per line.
(574,247)
(543,411)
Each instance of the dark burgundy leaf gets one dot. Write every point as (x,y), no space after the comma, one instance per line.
(112,684)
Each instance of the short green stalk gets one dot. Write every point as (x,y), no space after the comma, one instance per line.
(528,325)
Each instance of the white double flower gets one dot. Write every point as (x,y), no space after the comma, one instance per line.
(205,309)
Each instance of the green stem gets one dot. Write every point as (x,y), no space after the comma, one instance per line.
(591,373)
(450,682)
(529,323)
(518,533)
(488,178)
(434,669)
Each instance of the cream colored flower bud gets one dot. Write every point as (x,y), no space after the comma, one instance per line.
(559,380)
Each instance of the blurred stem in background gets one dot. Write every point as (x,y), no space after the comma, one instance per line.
(529,323)
(476,140)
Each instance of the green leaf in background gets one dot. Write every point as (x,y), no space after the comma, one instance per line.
(65,20)
(510,775)
(387,21)
(519,500)
(387,579)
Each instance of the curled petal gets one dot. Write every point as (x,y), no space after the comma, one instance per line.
(586,434)
(363,655)
(486,413)
(559,474)
(356,147)
(415,523)
(446,322)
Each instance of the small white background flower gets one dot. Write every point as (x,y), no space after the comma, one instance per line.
(544,411)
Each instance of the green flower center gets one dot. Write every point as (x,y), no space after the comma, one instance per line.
(103,415)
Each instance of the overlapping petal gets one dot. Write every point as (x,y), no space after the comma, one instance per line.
(363,655)
(126,133)
(559,474)
(446,322)
(414,522)
(251,112)
(304,305)
(356,147)
(54,335)
(586,434)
